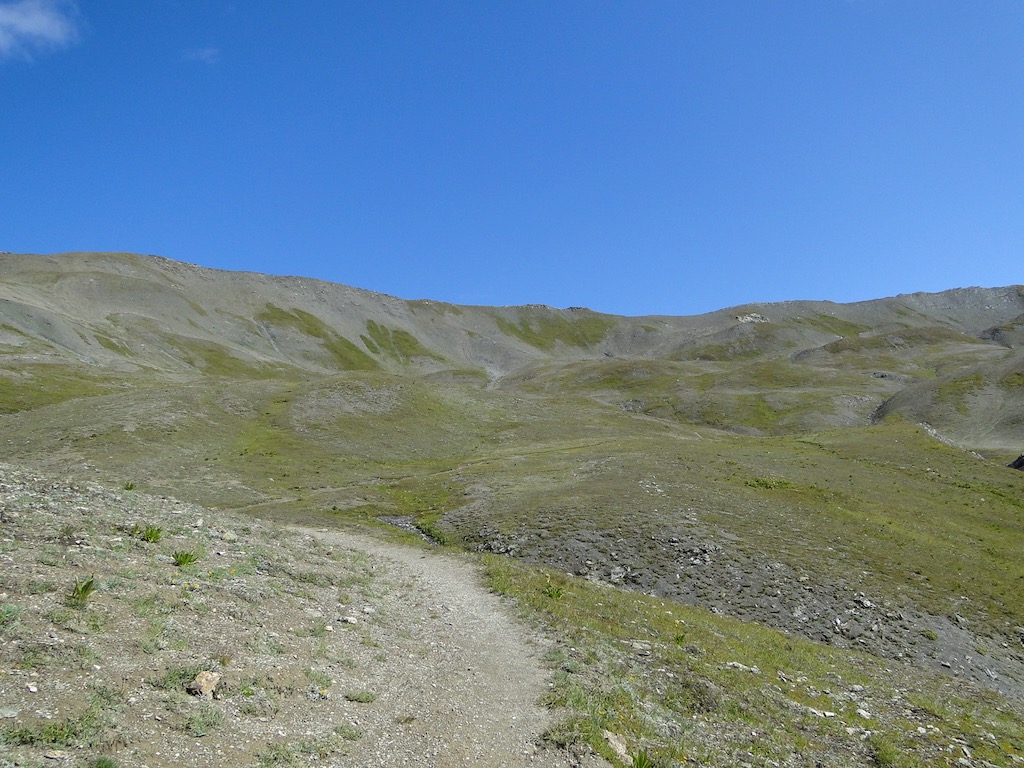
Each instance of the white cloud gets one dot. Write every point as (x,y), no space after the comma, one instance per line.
(29,26)
(205,55)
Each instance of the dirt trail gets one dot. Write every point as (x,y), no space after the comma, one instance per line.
(475,694)
(332,648)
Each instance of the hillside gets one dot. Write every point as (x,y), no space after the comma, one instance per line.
(833,471)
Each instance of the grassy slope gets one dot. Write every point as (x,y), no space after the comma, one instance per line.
(889,500)
(886,501)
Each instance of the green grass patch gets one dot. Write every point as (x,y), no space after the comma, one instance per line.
(344,354)
(544,328)
(214,359)
(396,343)
(33,386)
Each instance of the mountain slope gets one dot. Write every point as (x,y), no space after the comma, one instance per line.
(538,430)
(778,463)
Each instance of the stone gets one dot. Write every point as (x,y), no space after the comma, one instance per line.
(204,685)
(617,744)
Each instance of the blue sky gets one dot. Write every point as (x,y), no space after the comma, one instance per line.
(634,157)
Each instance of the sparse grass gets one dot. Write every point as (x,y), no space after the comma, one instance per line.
(81,730)
(203,720)
(10,617)
(60,733)
(361,696)
(686,677)
(343,353)
(288,753)
(177,676)
(769,483)
(550,460)
(318,678)
(33,386)
(348,732)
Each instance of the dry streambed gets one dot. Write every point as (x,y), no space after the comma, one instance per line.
(323,647)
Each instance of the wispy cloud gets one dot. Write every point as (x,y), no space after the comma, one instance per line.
(205,55)
(32,26)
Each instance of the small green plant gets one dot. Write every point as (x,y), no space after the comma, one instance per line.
(931,634)
(129,486)
(103,762)
(363,697)
(184,557)
(224,658)
(643,759)
(80,593)
(554,591)
(151,534)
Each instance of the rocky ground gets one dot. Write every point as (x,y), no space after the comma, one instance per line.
(701,566)
(274,647)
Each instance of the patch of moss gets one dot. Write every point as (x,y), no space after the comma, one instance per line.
(1013,380)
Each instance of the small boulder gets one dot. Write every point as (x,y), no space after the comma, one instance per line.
(204,685)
